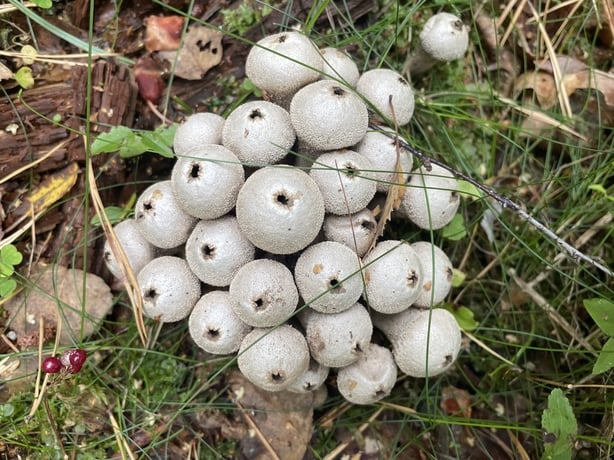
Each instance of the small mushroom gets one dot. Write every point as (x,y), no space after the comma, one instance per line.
(196,130)
(393,274)
(138,251)
(437,274)
(443,38)
(356,231)
(206,181)
(160,218)
(263,293)
(328,116)
(280,209)
(311,380)
(343,177)
(339,66)
(282,63)
(216,250)
(213,325)
(431,197)
(169,289)
(259,132)
(369,379)
(337,339)
(424,342)
(273,358)
(389,93)
(328,277)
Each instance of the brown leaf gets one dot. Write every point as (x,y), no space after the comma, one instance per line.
(201,50)
(594,79)
(163,33)
(541,83)
(56,293)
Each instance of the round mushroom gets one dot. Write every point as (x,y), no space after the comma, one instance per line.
(263,293)
(273,358)
(216,250)
(389,93)
(369,379)
(196,130)
(424,342)
(328,116)
(338,65)
(259,132)
(138,251)
(437,274)
(311,380)
(280,209)
(328,277)
(206,181)
(356,231)
(431,197)
(214,326)
(169,289)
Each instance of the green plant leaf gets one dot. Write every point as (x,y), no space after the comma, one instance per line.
(7,286)
(10,255)
(458,277)
(601,189)
(111,141)
(115,214)
(24,77)
(605,360)
(468,190)
(602,312)
(560,427)
(464,317)
(42,3)
(455,230)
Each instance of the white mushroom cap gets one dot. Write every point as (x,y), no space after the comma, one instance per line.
(328,116)
(280,209)
(382,151)
(263,293)
(160,218)
(169,289)
(393,275)
(311,380)
(356,231)
(339,66)
(328,277)
(273,358)
(344,178)
(196,130)
(206,181)
(337,339)
(369,379)
(216,250)
(282,63)
(259,132)
(444,37)
(424,342)
(431,199)
(213,325)
(437,274)
(383,87)
(138,251)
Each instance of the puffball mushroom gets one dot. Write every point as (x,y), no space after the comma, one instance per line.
(214,326)
(169,289)
(343,177)
(328,116)
(369,379)
(424,342)
(356,231)
(138,251)
(216,250)
(273,358)
(196,130)
(328,277)
(381,150)
(393,275)
(263,293)
(388,91)
(206,181)
(160,218)
(431,197)
(437,274)
(443,38)
(337,339)
(282,63)
(338,65)
(259,132)
(280,209)
(311,380)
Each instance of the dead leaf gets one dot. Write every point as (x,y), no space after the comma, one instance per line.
(542,84)
(566,64)
(163,33)
(593,79)
(455,401)
(148,77)
(201,50)
(56,293)
(5,73)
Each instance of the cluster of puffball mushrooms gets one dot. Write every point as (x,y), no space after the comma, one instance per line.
(264,236)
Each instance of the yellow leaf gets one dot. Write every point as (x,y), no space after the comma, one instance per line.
(52,189)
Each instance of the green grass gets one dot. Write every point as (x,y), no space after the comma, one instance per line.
(522,349)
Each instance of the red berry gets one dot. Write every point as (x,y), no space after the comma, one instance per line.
(51,365)
(73,359)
